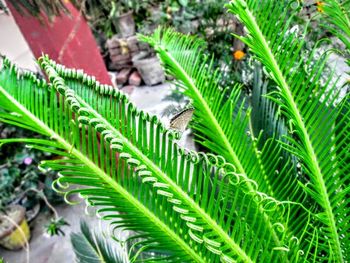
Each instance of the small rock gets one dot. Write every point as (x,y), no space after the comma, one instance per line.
(150,70)
(139,55)
(133,44)
(118,58)
(143,46)
(115,52)
(135,79)
(113,43)
(123,76)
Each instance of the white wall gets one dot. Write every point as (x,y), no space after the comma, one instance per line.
(13,45)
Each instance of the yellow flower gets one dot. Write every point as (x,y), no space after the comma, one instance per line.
(238,55)
(320,6)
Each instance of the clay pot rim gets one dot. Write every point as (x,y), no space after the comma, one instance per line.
(131,12)
(143,61)
(18,220)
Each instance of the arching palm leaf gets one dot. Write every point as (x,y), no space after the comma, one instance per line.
(90,247)
(224,132)
(192,207)
(310,107)
(271,128)
(41,107)
(221,119)
(337,13)
(81,89)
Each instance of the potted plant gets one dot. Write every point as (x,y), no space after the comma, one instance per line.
(19,174)
(122,17)
(14,177)
(14,230)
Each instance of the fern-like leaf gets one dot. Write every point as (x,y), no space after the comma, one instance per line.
(222,122)
(310,107)
(39,105)
(92,248)
(337,13)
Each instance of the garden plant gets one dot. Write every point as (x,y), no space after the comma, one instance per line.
(273,184)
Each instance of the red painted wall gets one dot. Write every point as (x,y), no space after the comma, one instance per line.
(81,50)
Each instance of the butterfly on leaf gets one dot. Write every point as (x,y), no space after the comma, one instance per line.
(181,120)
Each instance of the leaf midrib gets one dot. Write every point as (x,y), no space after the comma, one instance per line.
(140,207)
(315,167)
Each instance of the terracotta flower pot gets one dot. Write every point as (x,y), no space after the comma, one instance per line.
(125,24)
(11,237)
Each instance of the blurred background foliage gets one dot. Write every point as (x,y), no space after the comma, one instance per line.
(19,172)
(206,18)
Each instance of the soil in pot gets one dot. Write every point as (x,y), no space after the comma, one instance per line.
(125,24)
(11,237)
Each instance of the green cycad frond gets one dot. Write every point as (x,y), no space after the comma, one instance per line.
(280,164)
(221,118)
(86,87)
(264,115)
(311,110)
(192,207)
(78,166)
(90,247)
(267,125)
(337,13)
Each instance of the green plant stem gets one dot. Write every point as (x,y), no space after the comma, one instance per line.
(42,196)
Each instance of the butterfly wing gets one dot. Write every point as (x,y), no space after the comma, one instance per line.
(181,120)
